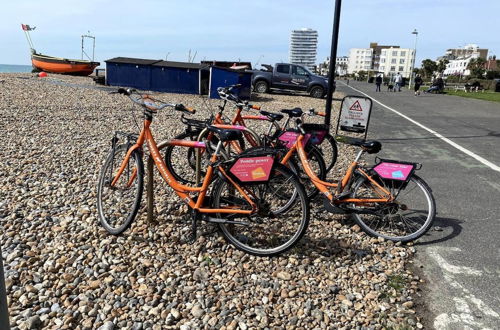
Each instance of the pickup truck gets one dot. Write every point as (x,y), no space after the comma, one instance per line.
(289,77)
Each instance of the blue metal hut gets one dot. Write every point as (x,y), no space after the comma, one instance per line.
(129,72)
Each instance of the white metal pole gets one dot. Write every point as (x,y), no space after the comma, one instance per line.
(415,32)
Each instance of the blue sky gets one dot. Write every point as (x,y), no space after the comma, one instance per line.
(232,30)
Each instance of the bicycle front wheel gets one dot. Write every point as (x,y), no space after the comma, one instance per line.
(329,151)
(280,221)
(118,204)
(405,219)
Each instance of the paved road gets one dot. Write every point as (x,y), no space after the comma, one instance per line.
(462,260)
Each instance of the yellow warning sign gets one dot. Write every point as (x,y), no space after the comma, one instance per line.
(356,106)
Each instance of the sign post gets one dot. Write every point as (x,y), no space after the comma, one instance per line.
(333,60)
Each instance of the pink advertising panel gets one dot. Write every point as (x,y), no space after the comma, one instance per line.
(289,138)
(253,168)
(394,171)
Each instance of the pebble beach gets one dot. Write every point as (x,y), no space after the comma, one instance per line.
(64,271)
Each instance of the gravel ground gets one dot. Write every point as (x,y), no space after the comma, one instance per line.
(63,271)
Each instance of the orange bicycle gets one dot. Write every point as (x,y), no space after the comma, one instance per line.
(259,204)
(386,200)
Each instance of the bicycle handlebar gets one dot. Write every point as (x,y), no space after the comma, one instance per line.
(148,102)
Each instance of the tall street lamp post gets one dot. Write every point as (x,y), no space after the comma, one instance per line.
(415,32)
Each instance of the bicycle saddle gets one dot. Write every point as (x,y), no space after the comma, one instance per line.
(371,147)
(272,115)
(226,134)
(295,112)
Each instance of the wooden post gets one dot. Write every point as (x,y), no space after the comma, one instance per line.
(150,190)
(150,185)
(4,309)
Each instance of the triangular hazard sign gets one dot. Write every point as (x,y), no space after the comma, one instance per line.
(356,106)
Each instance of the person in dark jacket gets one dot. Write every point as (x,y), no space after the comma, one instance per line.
(378,82)
(418,82)
(437,86)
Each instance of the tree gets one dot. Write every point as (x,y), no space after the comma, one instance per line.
(441,65)
(476,67)
(362,75)
(428,67)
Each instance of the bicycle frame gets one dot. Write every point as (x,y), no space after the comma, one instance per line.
(183,191)
(385,195)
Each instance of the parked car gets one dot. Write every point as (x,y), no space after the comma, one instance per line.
(289,77)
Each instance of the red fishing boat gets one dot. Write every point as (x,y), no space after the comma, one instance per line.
(57,64)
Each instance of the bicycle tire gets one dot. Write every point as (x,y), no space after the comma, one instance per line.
(263,237)
(109,208)
(185,171)
(317,164)
(329,151)
(395,230)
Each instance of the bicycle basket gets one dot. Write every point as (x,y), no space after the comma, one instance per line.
(317,132)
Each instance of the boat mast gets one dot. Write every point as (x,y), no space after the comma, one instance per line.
(93,45)
(26,28)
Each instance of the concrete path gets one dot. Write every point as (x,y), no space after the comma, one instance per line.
(458,142)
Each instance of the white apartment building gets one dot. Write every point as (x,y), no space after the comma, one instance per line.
(394,60)
(303,45)
(459,65)
(359,59)
(341,65)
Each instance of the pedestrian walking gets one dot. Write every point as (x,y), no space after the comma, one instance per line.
(378,82)
(398,81)
(418,82)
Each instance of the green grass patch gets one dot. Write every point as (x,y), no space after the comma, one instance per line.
(397,282)
(486,95)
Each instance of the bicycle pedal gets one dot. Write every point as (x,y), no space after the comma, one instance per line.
(332,208)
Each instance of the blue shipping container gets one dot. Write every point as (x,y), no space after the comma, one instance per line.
(129,72)
(222,77)
(175,77)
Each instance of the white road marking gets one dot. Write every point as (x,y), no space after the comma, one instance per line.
(459,147)
(452,268)
(463,317)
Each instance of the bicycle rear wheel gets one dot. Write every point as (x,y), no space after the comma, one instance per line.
(280,221)
(405,219)
(328,150)
(117,205)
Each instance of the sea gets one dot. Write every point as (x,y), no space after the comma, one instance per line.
(13,68)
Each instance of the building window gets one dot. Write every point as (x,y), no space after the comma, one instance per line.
(393,68)
(382,68)
(382,60)
(394,53)
(401,61)
(384,52)
(401,68)
(403,53)
(393,61)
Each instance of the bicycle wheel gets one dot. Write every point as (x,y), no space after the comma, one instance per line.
(317,165)
(405,219)
(328,149)
(181,161)
(118,205)
(280,221)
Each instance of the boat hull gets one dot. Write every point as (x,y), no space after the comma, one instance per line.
(63,65)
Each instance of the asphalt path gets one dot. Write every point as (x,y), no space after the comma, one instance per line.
(458,142)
